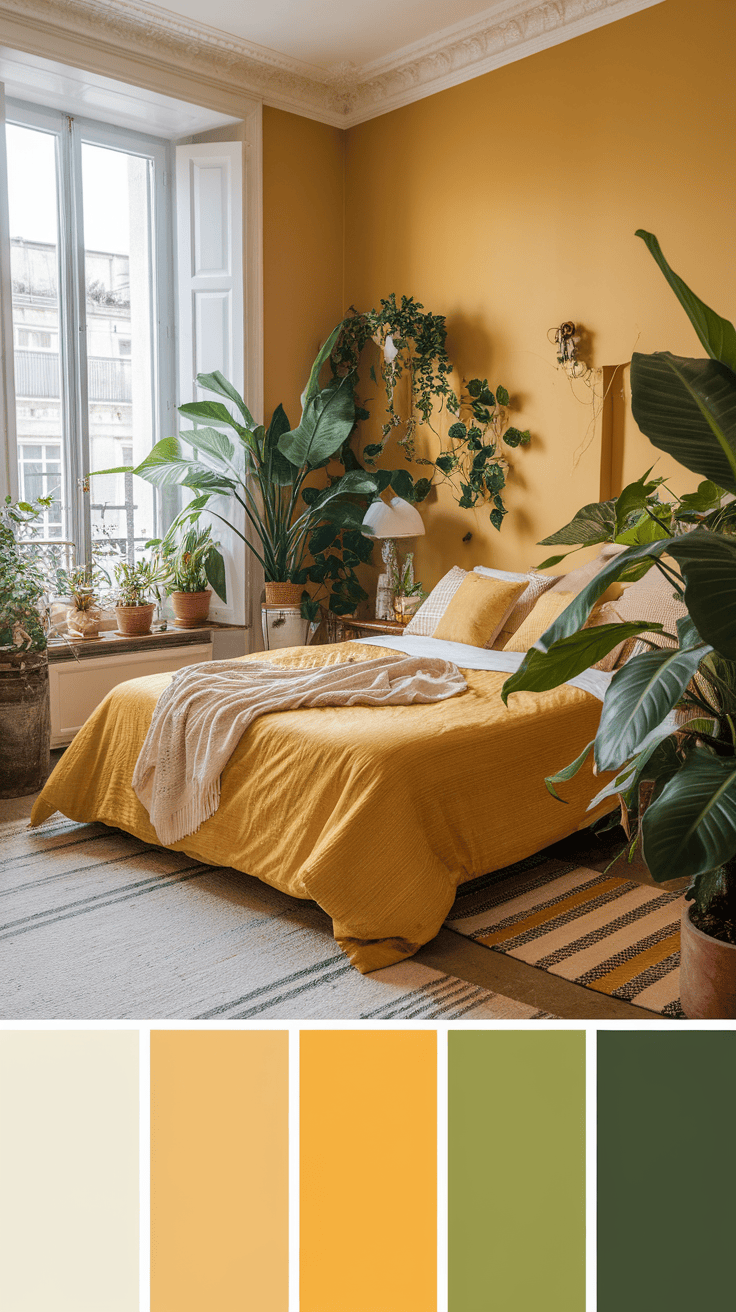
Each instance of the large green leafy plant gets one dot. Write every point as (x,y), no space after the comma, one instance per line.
(23,585)
(410,343)
(266,471)
(669,715)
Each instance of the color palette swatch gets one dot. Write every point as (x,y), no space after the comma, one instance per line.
(666,1169)
(69,1171)
(516,1181)
(219,1170)
(368,1154)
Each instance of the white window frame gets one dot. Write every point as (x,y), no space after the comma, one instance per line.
(70,134)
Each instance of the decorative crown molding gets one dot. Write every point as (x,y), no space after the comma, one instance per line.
(345,94)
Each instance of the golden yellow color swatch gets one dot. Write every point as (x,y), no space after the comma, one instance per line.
(219,1171)
(368,1144)
(69,1171)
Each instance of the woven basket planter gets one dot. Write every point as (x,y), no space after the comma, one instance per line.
(25,722)
(134,621)
(284,594)
(190,608)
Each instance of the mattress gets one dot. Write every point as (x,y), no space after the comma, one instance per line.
(375,813)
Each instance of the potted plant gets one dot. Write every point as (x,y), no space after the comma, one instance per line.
(25,720)
(195,562)
(268,473)
(408,594)
(83,617)
(669,715)
(136,584)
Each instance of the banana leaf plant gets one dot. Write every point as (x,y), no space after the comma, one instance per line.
(266,471)
(659,724)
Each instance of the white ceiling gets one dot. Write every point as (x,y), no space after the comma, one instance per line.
(328,32)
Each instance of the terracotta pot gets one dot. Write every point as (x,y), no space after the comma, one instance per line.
(25,722)
(191,608)
(83,623)
(134,621)
(707,974)
(284,594)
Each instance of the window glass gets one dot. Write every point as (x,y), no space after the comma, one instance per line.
(119,309)
(33,209)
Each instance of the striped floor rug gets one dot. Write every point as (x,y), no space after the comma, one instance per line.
(609,934)
(96,924)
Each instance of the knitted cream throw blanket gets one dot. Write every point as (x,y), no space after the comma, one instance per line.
(203,713)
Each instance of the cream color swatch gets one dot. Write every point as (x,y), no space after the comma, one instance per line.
(69,1171)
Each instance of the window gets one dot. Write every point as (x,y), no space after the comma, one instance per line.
(90,250)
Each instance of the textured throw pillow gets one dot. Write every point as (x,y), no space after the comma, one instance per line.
(536,584)
(579,578)
(431,611)
(546,611)
(478,610)
(651,598)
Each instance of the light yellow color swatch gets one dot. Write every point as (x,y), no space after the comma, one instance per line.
(219,1171)
(69,1171)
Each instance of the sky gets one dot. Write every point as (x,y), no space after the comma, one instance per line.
(32,191)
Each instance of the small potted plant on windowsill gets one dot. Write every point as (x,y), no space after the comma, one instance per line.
(136,584)
(197,568)
(83,617)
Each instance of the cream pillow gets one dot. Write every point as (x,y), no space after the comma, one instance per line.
(651,598)
(477,611)
(537,584)
(431,611)
(548,608)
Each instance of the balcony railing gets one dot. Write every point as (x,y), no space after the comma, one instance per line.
(38,377)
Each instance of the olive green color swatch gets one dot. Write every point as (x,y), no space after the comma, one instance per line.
(666,1168)
(516,1196)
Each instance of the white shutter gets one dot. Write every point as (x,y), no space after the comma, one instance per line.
(9,454)
(210,321)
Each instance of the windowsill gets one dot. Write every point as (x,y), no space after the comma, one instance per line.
(116,644)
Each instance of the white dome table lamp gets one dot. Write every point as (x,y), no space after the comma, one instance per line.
(387,522)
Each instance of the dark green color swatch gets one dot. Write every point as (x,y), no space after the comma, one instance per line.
(516,1171)
(666,1171)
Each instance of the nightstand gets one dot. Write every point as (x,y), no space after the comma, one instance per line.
(366,628)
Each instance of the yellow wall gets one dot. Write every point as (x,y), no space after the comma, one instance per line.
(303,176)
(509,203)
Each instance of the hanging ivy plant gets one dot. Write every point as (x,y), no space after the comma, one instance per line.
(410,342)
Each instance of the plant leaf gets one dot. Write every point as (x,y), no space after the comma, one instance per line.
(215,412)
(569,656)
(568,772)
(639,698)
(717,335)
(688,409)
(211,441)
(596,522)
(691,827)
(214,568)
(325,424)
(216,382)
(280,470)
(708,565)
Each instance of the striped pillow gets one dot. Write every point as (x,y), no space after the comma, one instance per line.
(431,611)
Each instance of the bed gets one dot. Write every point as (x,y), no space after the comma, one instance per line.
(375,813)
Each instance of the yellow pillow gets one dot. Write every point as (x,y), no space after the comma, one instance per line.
(550,605)
(478,610)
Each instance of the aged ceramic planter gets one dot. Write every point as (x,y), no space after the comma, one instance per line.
(283,626)
(25,722)
(707,974)
(284,594)
(134,621)
(190,608)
